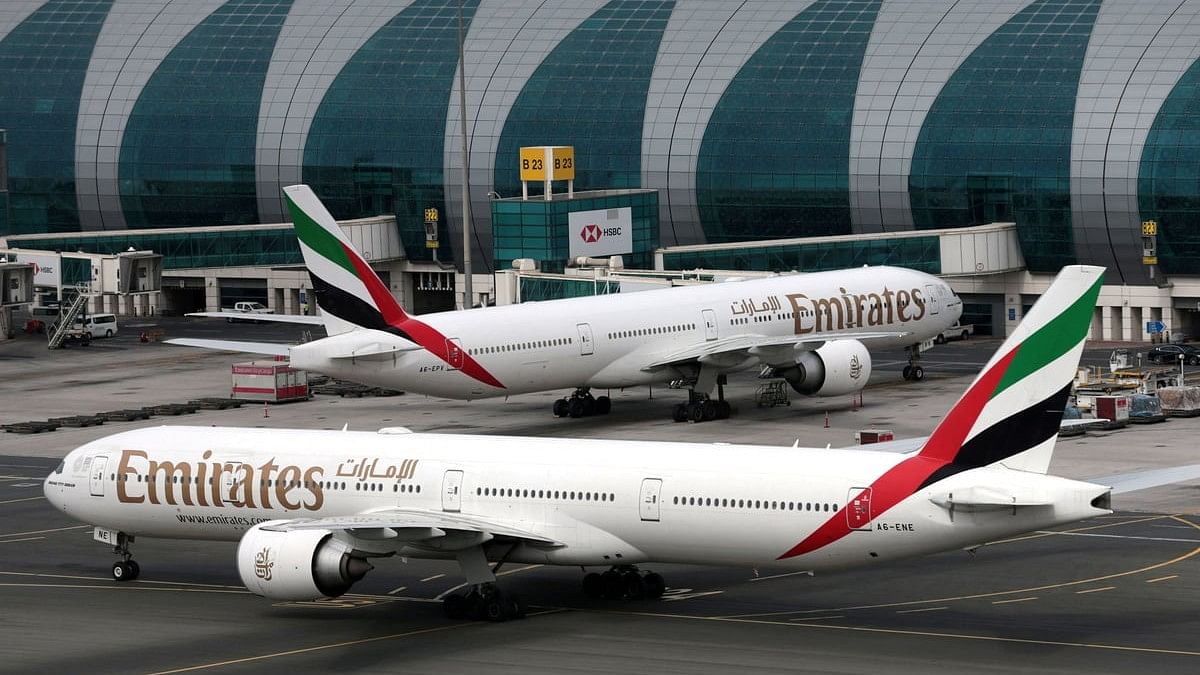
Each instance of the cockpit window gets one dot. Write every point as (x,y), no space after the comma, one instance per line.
(61,466)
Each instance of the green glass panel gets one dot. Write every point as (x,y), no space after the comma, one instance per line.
(589,92)
(775,158)
(1169,176)
(43,61)
(187,155)
(376,143)
(996,144)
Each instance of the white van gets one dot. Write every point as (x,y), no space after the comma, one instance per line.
(98,325)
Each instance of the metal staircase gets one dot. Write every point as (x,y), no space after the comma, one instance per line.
(66,320)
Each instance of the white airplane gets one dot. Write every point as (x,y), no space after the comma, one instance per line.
(311,508)
(809,328)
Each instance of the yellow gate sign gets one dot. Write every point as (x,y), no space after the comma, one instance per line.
(1149,228)
(548,162)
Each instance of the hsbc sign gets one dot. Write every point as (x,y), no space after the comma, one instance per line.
(601,232)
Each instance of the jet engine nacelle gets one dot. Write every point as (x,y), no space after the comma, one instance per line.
(836,368)
(297,565)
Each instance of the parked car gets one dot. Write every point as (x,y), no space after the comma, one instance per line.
(1171,353)
(246,308)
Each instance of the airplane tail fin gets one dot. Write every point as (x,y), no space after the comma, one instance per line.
(1010,414)
(346,289)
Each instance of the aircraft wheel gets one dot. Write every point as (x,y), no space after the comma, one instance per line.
(455,606)
(122,571)
(635,589)
(695,412)
(561,408)
(575,408)
(593,585)
(495,608)
(708,410)
(514,606)
(135,568)
(918,373)
(589,406)
(680,413)
(614,585)
(603,405)
(723,410)
(908,372)
(654,584)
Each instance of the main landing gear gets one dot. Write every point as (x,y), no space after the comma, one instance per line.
(125,569)
(624,582)
(701,407)
(913,371)
(582,404)
(484,602)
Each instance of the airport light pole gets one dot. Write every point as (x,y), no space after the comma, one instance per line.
(466,191)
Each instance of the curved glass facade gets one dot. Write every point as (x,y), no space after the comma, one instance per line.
(775,160)
(590,92)
(43,61)
(187,157)
(375,145)
(996,145)
(1170,176)
(1076,119)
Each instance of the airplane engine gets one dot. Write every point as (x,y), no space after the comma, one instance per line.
(836,368)
(297,565)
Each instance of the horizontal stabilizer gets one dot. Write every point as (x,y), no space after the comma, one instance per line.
(1142,480)
(269,348)
(985,497)
(266,318)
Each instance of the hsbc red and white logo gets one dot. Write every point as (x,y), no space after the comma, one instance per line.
(600,232)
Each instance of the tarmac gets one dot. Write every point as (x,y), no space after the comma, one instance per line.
(1113,594)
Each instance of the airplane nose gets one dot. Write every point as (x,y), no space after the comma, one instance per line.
(53,488)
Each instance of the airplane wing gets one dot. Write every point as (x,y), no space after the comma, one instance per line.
(1142,480)
(769,349)
(419,526)
(270,348)
(272,318)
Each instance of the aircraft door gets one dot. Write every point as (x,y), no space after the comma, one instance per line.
(454,353)
(96,475)
(452,491)
(709,318)
(858,508)
(931,298)
(585,339)
(649,501)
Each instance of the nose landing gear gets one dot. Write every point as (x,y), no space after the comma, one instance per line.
(913,371)
(125,569)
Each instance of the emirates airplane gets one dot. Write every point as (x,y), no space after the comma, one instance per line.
(312,508)
(810,329)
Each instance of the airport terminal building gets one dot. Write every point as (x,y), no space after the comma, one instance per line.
(1075,120)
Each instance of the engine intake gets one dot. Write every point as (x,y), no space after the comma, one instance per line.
(836,368)
(297,565)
